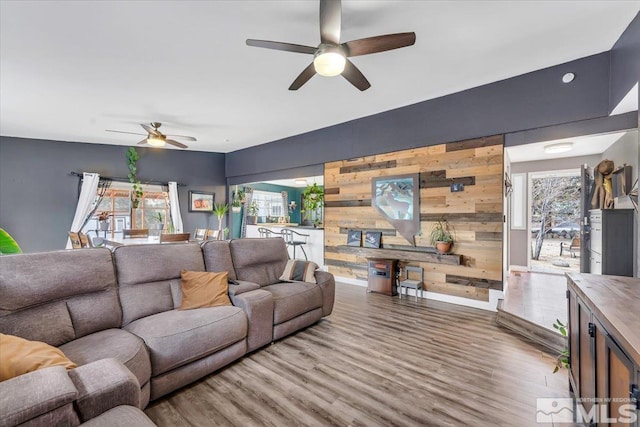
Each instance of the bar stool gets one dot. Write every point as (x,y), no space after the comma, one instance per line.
(413,284)
(290,239)
(266,232)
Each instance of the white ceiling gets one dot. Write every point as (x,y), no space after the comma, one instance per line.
(70,69)
(309,180)
(582,146)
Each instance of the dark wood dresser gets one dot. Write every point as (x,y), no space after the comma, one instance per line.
(604,344)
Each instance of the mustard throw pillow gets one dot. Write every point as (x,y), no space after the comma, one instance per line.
(19,356)
(301,271)
(204,289)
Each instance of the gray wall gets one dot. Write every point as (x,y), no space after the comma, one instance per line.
(624,151)
(625,62)
(38,197)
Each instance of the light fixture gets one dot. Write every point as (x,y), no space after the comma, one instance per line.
(329,60)
(301,181)
(156,141)
(568,77)
(562,147)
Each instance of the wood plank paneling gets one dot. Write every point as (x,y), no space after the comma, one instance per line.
(368,166)
(475,213)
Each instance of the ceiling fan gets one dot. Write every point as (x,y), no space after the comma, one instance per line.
(155,138)
(331,57)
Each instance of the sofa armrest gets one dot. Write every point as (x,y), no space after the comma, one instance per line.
(327,284)
(258,306)
(37,394)
(102,385)
(242,287)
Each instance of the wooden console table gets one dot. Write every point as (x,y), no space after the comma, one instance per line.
(604,342)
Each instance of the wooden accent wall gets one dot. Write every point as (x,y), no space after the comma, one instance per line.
(475,214)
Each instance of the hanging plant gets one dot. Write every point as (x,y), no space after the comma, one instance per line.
(136,185)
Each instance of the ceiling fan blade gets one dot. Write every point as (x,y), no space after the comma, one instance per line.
(119,131)
(144,141)
(176,143)
(188,138)
(355,77)
(378,44)
(151,130)
(304,77)
(288,47)
(330,21)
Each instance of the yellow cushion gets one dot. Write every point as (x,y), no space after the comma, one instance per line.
(204,289)
(19,356)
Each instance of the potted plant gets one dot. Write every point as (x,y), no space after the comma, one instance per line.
(220,210)
(236,205)
(312,201)
(158,217)
(103,220)
(441,236)
(252,213)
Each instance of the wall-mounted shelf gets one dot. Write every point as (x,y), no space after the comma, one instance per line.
(405,253)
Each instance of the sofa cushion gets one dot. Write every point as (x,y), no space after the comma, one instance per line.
(50,323)
(117,344)
(149,287)
(217,257)
(19,356)
(298,270)
(177,337)
(58,296)
(204,289)
(259,261)
(293,299)
(120,416)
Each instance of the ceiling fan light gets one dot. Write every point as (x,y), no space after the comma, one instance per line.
(155,141)
(329,64)
(562,147)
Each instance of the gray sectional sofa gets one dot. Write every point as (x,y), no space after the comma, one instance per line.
(96,304)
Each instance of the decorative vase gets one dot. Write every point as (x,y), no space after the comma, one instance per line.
(104,225)
(236,209)
(443,247)
(252,219)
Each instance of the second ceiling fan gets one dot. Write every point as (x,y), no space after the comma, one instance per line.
(155,138)
(331,56)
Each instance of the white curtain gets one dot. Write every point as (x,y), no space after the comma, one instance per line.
(88,194)
(174,206)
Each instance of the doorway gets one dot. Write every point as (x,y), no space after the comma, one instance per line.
(555,214)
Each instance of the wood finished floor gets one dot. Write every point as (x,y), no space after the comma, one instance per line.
(537,297)
(377,361)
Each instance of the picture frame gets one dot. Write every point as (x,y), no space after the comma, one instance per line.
(201,201)
(354,237)
(372,239)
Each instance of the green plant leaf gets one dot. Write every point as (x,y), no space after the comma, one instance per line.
(556,369)
(7,244)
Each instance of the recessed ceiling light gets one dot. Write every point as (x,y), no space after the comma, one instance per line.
(562,147)
(301,181)
(568,77)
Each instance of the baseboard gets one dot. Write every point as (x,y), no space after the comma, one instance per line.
(490,305)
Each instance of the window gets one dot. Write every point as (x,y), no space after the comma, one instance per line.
(117,201)
(269,203)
